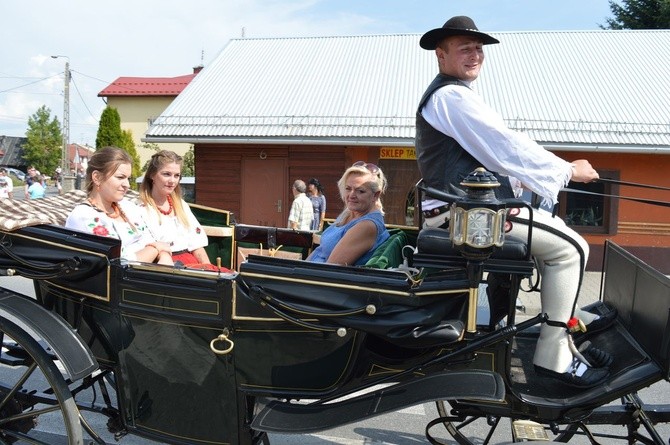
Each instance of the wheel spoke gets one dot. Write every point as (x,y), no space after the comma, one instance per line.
(19,384)
(32,390)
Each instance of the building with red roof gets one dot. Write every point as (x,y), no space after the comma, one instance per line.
(139,100)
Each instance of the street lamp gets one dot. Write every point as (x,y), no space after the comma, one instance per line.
(66,115)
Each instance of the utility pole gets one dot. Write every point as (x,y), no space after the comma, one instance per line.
(66,117)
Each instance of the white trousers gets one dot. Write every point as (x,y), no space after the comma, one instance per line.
(561,255)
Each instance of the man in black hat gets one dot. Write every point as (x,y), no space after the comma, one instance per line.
(457,132)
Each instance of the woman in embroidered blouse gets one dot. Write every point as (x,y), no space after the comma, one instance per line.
(107,213)
(360,228)
(169,217)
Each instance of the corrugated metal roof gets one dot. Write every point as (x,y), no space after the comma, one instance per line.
(563,87)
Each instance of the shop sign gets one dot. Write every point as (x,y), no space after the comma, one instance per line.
(399,153)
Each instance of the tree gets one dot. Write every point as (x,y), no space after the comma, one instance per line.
(45,141)
(128,144)
(188,167)
(639,14)
(109,130)
(188,164)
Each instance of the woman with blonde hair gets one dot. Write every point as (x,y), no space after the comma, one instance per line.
(360,228)
(169,217)
(108,213)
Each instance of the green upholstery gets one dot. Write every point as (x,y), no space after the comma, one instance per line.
(389,254)
(218,246)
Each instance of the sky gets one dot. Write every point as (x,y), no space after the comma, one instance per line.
(166,38)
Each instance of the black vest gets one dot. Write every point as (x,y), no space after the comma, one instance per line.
(443,163)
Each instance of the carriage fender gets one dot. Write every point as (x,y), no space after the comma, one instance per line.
(73,353)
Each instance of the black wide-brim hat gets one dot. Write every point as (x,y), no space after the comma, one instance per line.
(455,26)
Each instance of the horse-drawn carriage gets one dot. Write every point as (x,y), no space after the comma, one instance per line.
(288,346)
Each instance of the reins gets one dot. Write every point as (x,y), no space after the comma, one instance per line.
(628,198)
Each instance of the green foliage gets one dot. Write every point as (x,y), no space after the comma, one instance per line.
(188,167)
(639,14)
(149,146)
(109,130)
(128,145)
(45,141)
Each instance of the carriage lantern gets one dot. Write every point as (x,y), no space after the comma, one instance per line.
(477,227)
(477,221)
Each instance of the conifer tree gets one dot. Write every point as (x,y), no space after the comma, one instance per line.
(639,14)
(128,145)
(109,129)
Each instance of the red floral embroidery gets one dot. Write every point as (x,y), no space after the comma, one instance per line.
(100,231)
(197,230)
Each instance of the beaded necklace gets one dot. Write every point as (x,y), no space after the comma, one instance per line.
(114,214)
(169,210)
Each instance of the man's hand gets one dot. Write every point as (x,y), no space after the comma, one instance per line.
(582,171)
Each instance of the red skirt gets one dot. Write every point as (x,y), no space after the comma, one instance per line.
(191,262)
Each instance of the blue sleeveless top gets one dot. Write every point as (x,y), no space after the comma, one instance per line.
(333,234)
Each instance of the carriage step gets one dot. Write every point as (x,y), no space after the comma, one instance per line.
(283,417)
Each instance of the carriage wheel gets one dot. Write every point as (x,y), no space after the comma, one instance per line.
(467,432)
(35,401)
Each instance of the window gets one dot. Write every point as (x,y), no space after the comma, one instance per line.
(591,213)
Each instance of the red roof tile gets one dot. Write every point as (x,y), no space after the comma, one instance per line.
(147,86)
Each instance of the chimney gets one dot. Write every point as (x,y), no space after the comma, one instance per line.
(197,69)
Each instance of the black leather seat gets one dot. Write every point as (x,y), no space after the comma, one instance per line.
(436,250)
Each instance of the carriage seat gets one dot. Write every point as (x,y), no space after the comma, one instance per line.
(436,250)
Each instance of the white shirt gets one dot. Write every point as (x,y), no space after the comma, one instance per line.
(461,114)
(170,230)
(6,186)
(86,218)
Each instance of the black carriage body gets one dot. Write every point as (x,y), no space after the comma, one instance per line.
(299,330)
(326,328)
(153,326)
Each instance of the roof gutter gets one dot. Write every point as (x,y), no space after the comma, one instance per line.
(608,148)
(381,142)
(400,142)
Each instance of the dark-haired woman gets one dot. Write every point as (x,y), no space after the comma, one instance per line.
(315,194)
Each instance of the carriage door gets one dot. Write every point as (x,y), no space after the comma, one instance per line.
(265,193)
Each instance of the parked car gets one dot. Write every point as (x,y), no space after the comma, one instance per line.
(16,172)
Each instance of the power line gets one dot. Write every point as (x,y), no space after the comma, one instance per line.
(30,83)
(80,97)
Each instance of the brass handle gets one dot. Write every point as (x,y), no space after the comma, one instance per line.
(278,206)
(223,337)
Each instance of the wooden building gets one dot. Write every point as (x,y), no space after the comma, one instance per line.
(269,111)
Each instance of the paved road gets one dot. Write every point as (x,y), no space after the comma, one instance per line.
(405,427)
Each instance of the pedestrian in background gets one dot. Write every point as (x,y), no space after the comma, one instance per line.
(302,214)
(6,184)
(37,190)
(315,194)
(79,178)
(30,178)
(58,180)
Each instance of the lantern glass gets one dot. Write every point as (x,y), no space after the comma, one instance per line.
(457,225)
(481,227)
(500,235)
